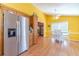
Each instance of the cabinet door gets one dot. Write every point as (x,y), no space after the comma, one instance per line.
(35,29)
(31,40)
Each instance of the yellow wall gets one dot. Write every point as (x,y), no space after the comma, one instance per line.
(25,8)
(48,25)
(73,22)
(28,9)
(73,26)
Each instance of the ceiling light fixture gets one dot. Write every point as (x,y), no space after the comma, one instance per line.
(56,15)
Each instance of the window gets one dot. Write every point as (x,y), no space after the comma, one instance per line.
(63,26)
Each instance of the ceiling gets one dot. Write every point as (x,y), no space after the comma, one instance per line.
(59,8)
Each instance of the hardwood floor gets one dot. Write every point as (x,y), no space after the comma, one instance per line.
(46,47)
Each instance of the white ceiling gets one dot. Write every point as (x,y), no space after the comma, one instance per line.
(59,8)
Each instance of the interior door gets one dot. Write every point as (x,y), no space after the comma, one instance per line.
(10,39)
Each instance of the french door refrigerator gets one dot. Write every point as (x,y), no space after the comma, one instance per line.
(16,34)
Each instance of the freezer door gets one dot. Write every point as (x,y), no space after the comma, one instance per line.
(23,29)
(10,39)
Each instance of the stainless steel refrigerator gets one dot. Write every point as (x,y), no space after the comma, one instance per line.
(16,34)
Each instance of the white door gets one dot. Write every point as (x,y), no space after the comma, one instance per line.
(10,39)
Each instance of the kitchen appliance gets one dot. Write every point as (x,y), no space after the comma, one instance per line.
(16,34)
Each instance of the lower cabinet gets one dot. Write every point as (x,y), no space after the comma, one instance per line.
(31,40)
